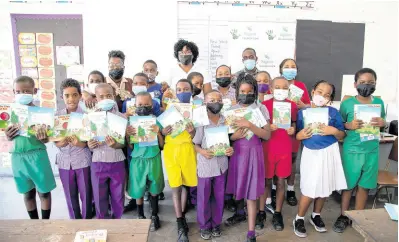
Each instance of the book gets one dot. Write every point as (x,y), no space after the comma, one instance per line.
(172,117)
(155,98)
(19,116)
(392,210)
(98,125)
(40,117)
(232,115)
(91,236)
(131,106)
(282,114)
(197,103)
(226,105)
(315,119)
(186,109)
(217,140)
(116,127)
(267,97)
(366,112)
(5,118)
(200,116)
(144,134)
(295,93)
(60,127)
(79,126)
(257,118)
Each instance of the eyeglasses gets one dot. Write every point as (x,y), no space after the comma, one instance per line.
(115,66)
(188,52)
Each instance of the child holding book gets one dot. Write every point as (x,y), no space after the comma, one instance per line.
(180,161)
(212,172)
(321,165)
(278,150)
(30,163)
(246,176)
(197,79)
(360,158)
(74,158)
(108,166)
(146,165)
(263,78)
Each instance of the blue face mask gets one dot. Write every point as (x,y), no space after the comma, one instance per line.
(250,64)
(106,104)
(184,97)
(289,73)
(23,99)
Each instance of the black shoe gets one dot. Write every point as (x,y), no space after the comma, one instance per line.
(155,224)
(185,224)
(130,206)
(318,223)
(299,228)
(161,196)
(251,239)
(235,219)
(274,196)
(260,220)
(341,224)
(181,231)
(216,232)
(231,205)
(291,198)
(270,208)
(206,234)
(141,217)
(146,196)
(277,221)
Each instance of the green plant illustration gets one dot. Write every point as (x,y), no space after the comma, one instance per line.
(14,118)
(234,34)
(219,149)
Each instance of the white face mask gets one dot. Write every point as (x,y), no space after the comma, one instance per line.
(92,87)
(280,94)
(137,89)
(319,101)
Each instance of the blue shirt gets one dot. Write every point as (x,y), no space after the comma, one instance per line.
(318,142)
(156,107)
(157,90)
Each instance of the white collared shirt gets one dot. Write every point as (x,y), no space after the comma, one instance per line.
(177,73)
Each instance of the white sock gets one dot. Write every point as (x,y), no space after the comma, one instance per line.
(268,200)
(297,217)
(274,187)
(314,214)
(290,188)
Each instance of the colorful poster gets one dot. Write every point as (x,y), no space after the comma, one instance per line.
(60,127)
(45,61)
(144,134)
(31,72)
(217,140)
(26,38)
(48,84)
(68,55)
(28,61)
(27,50)
(5,118)
(116,127)
(282,114)
(315,119)
(47,98)
(44,38)
(40,118)
(172,117)
(366,112)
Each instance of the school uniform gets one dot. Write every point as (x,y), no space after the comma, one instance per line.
(321,165)
(74,169)
(211,182)
(230,94)
(246,172)
(157,90)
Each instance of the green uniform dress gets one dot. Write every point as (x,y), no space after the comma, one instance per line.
(359,159)
(31,166)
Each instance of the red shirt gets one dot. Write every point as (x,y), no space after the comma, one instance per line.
(305,96)
(280,142)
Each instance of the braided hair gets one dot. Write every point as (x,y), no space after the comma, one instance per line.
(247,79)
(332,96)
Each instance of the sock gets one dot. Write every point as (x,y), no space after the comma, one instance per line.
(46,214)
(140,209)
(154,205)
(268,200)
(240,207)
(274,187)
(277,213)
(298,217)
(33,214)
(251,234)
(314,214)
(290,188)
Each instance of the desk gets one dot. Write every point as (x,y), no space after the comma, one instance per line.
(118,230)
(374,224)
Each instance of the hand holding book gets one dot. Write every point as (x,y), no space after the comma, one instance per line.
(239,134)
(207,154)
(167,130)
(229,151)
(242,123)
(130,131)
(328,130)
(41,134)
(291,131)
(12,131)
(355,124)
(110,141)
(378,122)
(305,133)
(273,127)
(92,144)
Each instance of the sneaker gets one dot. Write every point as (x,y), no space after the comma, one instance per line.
(185,224)
(278,222)
(318,223)
(299,228)
(216,232)
(141,217)
(341,224)
(130,206)
(206,234)
(161,196)
(231,205)
(251,239)
(155,223)
(235,219)
(146,196)
(274,196)
(260,220)
(291,198)
(270,208)
(181,232)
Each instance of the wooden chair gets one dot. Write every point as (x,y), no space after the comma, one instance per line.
(388,179)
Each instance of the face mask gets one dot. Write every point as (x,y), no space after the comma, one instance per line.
(250,64)
(319,101)
(214,107)
(365,90)
(92,87)
(23,99)
(116,74)
(184,97)
(137,89)
(151,77)
(196,91)
(186,59)
(106,104)
(263,88)
(289,73)
(246,98)
(280,94)
(223,81)
(144,110)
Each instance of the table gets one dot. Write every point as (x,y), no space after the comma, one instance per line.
(374,224)
(118,230)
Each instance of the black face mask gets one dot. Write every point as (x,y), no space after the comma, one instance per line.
(223,81)
(116,74)
(365,90)
(186,59)
(144,110)
(196,91)
(214,107)
(246,98)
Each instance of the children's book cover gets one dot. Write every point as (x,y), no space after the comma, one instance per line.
(173,117)
(200,116)
(197,103)
(366,112)
(131,106)
(5,117)
(60,127)
(144,134)
(79,126)
(257,118)
(91,236)
(295,93)
(282,114)
(234,114)
(315,119)
(116,127)
(19,116)
(40,117)
(98,125)
(186,110)
(226,105)
(217,140)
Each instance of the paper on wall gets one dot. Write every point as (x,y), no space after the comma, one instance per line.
(27,50)
(26,38)
(5,59)
(76,72)
(44,38)
(68,55)
(31,72)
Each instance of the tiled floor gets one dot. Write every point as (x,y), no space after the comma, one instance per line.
(12,207)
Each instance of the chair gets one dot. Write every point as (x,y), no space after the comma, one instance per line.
(387,179)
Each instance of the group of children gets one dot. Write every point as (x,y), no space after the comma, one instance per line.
(251,170)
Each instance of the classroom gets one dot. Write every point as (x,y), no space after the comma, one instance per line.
(198,120)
